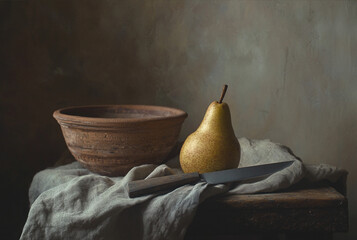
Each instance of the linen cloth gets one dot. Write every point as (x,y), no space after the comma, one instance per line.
(70,202)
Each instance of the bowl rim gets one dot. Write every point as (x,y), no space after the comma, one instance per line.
(62,117)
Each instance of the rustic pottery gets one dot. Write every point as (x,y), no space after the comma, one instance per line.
(112,139)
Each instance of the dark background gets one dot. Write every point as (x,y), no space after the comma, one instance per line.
(290,66)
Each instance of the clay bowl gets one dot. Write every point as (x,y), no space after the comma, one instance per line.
(112,139)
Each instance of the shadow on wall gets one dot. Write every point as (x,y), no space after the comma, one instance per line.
(57,54)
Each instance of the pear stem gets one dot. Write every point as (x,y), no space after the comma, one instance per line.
(223,92)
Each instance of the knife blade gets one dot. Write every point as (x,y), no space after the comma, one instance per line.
(152,185)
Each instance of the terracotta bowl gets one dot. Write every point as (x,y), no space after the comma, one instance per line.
(112,139)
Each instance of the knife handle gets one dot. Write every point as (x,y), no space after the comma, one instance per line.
(151,185)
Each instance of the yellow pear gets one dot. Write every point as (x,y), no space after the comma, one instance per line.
(213,146)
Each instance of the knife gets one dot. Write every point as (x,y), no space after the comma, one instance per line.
(151,185)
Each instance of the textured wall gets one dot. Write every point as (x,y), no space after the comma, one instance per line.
(291,67)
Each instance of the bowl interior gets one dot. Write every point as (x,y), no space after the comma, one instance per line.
(122,111)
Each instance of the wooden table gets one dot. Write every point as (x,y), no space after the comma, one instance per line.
(296,214)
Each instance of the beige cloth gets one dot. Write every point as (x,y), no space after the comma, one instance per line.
(70,202)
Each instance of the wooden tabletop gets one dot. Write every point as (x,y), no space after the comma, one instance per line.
(317,210)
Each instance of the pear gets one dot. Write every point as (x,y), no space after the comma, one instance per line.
(213,146)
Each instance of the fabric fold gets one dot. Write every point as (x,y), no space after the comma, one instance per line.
(70,202)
